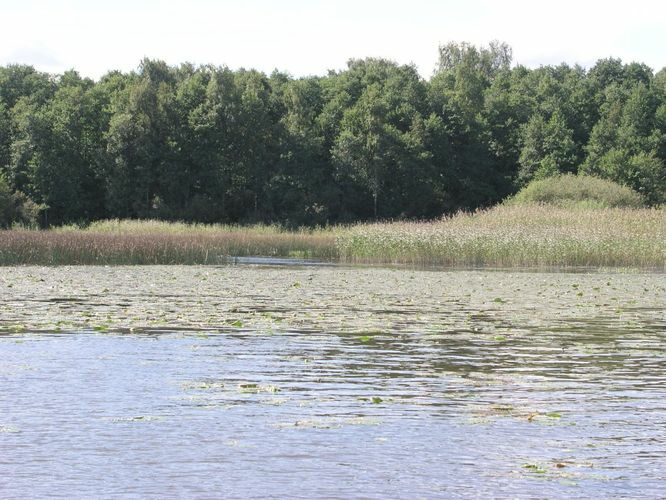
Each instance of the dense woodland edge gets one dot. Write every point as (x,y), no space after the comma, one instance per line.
(374,141)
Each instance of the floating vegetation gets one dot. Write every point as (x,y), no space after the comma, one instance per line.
(367,337)
(501,408)
(538,416)
(497,411)
(374,400)
(203,385)
(256,388)
(328,423)
(415,353)
(274,401)
(138,418)
(535,468)
(146,299)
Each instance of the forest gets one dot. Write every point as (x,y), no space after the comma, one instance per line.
(375,141)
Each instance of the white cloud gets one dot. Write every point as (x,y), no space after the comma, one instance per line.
(38,55)
(309,37)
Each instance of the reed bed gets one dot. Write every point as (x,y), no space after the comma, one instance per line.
(153,242)
(517,236)
(504,236)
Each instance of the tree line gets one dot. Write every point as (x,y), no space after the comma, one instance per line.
(374,141)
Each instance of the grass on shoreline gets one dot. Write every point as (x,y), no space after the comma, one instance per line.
(504,236)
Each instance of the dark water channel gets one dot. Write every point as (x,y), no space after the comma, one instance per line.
(569,407)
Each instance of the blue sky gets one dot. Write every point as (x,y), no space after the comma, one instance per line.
(311,37)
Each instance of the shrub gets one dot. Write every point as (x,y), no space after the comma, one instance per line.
(582,191)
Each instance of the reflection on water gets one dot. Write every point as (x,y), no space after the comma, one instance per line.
(486,404)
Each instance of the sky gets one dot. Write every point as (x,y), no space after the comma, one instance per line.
(304,37)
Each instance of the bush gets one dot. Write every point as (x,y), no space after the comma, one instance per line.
(582,191)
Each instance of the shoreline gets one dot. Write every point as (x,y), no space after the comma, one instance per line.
(508,237)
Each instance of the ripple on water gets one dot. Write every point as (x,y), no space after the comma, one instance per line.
(356,383)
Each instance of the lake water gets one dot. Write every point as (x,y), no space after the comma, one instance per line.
(259,381)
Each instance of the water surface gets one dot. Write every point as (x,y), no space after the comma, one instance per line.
(330,382)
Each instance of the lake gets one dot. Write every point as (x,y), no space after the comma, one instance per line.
(258,380)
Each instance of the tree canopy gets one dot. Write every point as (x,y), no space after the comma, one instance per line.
(373,141)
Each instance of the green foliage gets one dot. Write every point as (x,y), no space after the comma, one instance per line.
(488,61)
(464,156)
(20,81)
(16,208)
(570,191)
(548,148)
(627,143)
(5,203)
(209,144)
(5,137)
(380,147)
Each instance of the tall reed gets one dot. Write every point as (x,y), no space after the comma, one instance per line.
(516,236)
(504,236)
(150,242)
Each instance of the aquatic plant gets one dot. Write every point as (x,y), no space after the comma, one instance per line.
(503,236)
(152,242)
(516,236)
